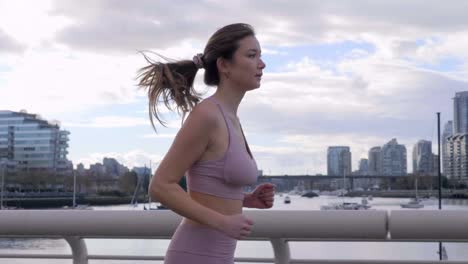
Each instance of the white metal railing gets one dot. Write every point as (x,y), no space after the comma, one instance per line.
(278,227)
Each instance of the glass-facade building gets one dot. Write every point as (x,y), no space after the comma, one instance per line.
(33,144)
(456,144)
(394,159)
(423,158)
(375,161)
(460,113)
(338,161)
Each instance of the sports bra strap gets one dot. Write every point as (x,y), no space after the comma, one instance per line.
(225,118)
(227,123)
(245,140)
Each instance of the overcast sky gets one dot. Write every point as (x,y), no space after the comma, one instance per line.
(353,73)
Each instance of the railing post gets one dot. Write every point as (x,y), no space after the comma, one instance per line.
(79,250)
(281,250)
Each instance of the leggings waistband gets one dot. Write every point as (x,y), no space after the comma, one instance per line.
(202,240)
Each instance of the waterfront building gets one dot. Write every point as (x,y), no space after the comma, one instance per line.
(338,161)
(423,158)
(457,146)
(375,161)
(34,145)
(394,159)
(448,131)
(363,167)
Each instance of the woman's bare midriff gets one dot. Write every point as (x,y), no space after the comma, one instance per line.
(218,204)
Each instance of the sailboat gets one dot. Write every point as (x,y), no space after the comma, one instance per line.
(74,204)
(159,206)
(134,202)
(414,203)
(443,253)
(346,205)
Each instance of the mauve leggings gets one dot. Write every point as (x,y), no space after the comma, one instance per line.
(200,245)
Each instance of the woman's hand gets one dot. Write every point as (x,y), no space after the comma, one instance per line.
(262,197)
(237,226)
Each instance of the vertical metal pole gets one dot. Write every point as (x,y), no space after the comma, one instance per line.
(79,250)
(438,160)
(439,174)
(74,188)
(281,250)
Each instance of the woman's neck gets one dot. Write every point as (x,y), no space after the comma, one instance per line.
(229,97)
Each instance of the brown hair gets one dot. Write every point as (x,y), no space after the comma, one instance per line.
(174,79)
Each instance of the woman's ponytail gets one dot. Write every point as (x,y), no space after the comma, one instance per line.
(173,81)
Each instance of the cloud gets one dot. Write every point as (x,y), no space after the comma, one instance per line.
(368,95)
(29,22)
(8,44)
(110,122)
(133,158)
(170,136)
(119,25)
(63,81)
(113,26)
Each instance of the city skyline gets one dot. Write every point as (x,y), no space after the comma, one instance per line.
(34,148)
(337,74)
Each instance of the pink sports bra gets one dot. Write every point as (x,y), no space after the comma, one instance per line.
(227,176)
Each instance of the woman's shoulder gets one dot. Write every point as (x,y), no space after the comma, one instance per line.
(204,112)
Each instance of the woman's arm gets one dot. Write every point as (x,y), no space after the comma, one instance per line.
(247,200)
(188,146)
(262,197)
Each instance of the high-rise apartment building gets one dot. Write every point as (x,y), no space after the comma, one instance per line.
(448,131)
(363,166)
(423,158)
(375,161)
(338,161)
(394,159)
(455,149)
(460,113)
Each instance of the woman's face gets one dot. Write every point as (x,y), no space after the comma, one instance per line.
(246,68)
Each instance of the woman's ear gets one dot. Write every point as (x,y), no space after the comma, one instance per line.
(222,64)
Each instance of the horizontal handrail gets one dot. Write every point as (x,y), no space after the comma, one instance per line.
(444,225)
(276,226)
(414,225)
(162,223)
